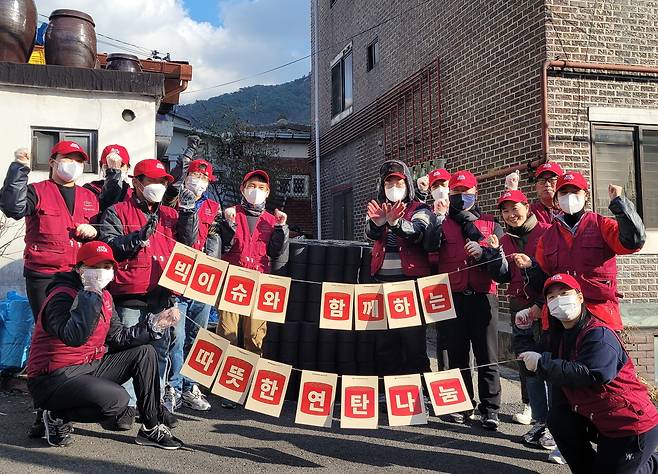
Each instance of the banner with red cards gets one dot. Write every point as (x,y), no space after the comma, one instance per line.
(436,298)
(315,404)
(206,281)
(401,304)
(269,387)
(404,400)
(272,298)
(359,407)
(202,363)
(447,392)
(336,307)
(369,312)
(179,267)
(239,291)
(235,374)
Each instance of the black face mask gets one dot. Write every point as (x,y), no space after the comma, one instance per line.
(460,202)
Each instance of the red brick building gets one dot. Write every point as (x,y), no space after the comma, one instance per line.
(493,86)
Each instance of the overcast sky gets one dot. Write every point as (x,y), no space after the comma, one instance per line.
(224,40)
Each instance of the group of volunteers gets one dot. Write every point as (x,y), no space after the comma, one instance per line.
(558,259)
(109,343)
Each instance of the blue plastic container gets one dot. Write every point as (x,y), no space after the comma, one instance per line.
(16,326)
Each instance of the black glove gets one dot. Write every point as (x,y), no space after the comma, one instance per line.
(193,141)
(186,199)
(149,228)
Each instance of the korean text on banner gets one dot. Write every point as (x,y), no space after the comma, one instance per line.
(179,267)
(359,407)
(401,304)
(336,307)
(315,404)
(369,312)
(268,390)
(206,281)
(239,291)
(436,298)
(235,374)
(447,392)
(272,298)
(404,400)
(202,363)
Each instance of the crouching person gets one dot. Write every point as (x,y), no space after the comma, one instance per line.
(597,395)
(81,354)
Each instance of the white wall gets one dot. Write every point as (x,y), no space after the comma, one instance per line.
(22,108)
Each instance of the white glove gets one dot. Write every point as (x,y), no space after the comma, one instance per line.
(22,156)
(423,183)
(474,250)
(530,359)
(90,282)
(229,214)
(165,319)
(114,161)
(512,181)
(86,231)
(523,320)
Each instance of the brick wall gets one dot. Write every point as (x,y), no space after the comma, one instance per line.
(639,344)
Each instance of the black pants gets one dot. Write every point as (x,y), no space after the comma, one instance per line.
(402,351)
(35,286)
(98,396)
(475,326)
(574,436)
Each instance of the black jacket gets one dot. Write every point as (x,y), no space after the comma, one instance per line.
(110,190)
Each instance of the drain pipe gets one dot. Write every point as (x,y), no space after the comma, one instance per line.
(318,201)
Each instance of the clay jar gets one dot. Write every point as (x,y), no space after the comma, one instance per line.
(18,27)
(71,39)
(123,62)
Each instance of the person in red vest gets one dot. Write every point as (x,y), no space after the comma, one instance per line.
(142,234)
(597,395)
(462,242)
(58,215)
(546,177)
(182,390)
(250,238)
(523,231)
(397,222)
(115,163)
(81,353)
(585,244)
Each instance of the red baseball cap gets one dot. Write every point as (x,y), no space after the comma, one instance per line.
(549,167)
(572,178)
(462,178)
(94,252)
(564,279)
(68,148)
(253,173)
(153,169)
(117,150)
(440,174)
(512,195)
(395,175)
(203,167)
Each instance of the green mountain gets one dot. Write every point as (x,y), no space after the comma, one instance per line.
(255,105)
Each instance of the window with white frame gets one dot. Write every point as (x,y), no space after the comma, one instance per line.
(341,84)
(296,186)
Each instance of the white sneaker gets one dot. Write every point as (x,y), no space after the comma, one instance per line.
(171,400)
(195,400)
(524,418)
(556,457)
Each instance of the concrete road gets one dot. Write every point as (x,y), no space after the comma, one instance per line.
(242,441)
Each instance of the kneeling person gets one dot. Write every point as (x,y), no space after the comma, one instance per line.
(81,354)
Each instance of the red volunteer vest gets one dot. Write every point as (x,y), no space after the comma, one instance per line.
(48,353)
(452,257)
(140,274)
(544,215)
(250,250)
(206,214)
(413,257)
(50,242)
(619,408)
(517,287)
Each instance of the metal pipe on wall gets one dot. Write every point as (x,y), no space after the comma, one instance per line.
(318,202)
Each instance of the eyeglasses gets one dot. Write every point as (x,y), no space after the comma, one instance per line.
(544,181)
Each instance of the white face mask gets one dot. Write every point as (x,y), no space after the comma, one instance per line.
(565,308)
(197,185)
(395,194)
(154,193)
(69,171)
(440,193)
(101,276)
(571,203)
(255,197)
